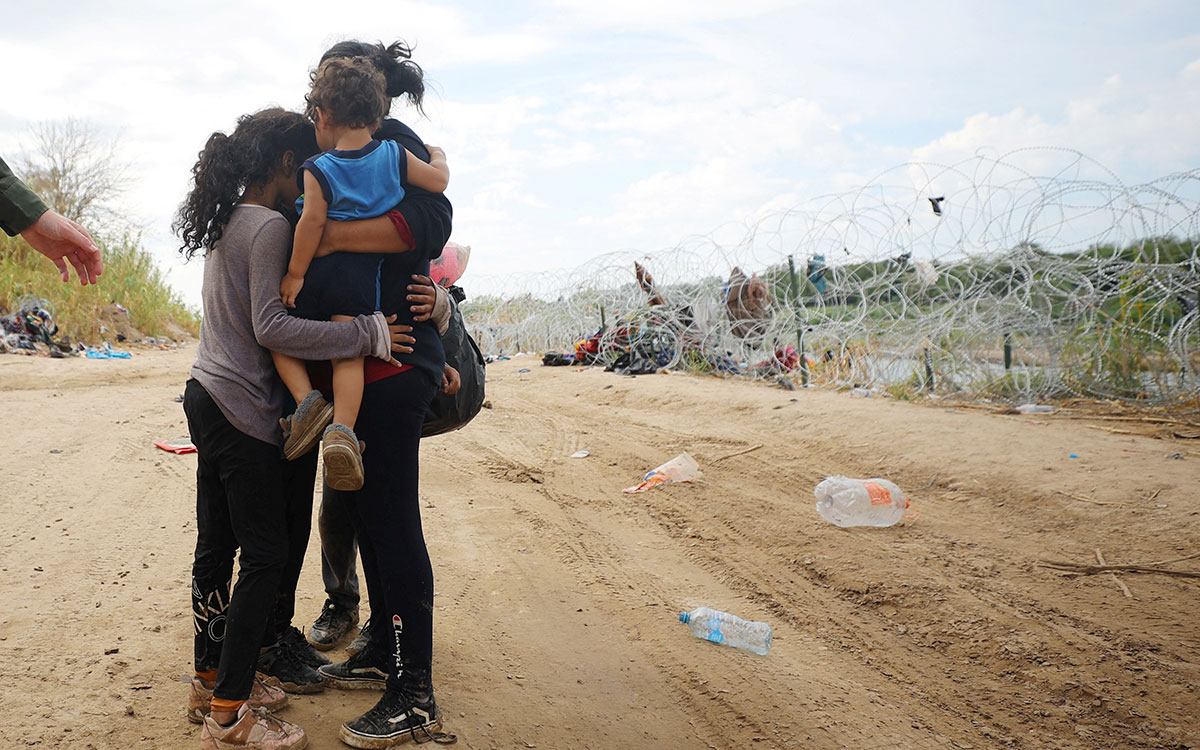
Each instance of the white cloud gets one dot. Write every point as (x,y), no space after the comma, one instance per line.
(575,128)
(1139,130)
(638,14)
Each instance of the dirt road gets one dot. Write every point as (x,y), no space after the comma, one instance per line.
(557,595)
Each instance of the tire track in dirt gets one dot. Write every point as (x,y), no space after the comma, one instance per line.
(987,636)
(596,560)
(962,639)
(556,594)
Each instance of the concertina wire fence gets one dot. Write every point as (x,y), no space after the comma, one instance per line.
(1035,275)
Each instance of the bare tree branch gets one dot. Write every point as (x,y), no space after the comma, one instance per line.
(76,172)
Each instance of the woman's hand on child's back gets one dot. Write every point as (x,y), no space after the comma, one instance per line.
(421,296)
(289,289)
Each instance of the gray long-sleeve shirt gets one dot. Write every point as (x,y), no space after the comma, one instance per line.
(244,318)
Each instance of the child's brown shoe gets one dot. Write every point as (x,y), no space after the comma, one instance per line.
(342,451)
(302,430)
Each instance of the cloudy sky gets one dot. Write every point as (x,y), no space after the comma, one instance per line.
(579,128)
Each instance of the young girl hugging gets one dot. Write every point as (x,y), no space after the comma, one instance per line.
(357,177)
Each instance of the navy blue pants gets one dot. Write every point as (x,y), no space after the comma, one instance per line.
(387,519)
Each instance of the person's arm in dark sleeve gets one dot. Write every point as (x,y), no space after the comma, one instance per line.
(427,217)
(19,206)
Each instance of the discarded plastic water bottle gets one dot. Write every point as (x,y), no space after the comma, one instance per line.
(722,627)
(1035,408)
(860,502)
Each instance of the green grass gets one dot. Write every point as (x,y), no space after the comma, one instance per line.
(1014,385)
(130,278)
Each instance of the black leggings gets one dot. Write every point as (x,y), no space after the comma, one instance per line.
(242,501)
(387,516)
(299,477)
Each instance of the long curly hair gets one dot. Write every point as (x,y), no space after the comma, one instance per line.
(228,164)
(404,77)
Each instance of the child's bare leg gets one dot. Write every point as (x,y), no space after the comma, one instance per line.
(294,374)
(347,390)
(301,430)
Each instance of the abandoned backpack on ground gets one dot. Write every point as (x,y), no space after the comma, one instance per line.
(448,413)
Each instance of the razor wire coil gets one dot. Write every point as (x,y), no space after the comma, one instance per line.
(1036,274)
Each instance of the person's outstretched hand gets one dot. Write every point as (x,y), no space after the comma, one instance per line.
(63,241)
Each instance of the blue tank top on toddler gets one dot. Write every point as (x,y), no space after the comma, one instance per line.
(359,184)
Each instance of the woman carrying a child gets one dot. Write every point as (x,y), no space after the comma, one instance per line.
(394,400)
(356,177)
(244,183)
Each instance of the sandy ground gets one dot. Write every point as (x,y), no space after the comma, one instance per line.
(557,594)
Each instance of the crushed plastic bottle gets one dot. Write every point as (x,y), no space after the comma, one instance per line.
(730,630)
(682,468)
(1035,408)
(860,393)
(860,502)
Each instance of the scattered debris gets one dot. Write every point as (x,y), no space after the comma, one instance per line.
(844,501)
(1035,409)
(107,352)
(32,330)
(682,468)
(1120,584)
(738,453)
(178,446)
(1081,569)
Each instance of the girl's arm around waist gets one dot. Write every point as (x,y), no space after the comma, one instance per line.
(274,329)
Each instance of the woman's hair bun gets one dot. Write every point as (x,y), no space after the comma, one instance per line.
(404,77)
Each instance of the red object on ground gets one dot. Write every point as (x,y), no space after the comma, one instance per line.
(178,445)
(786,359)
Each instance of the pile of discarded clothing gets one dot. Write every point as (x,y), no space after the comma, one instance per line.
(625,351)
(31,330)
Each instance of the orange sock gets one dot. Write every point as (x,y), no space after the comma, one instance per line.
(208,675)
(224,704)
